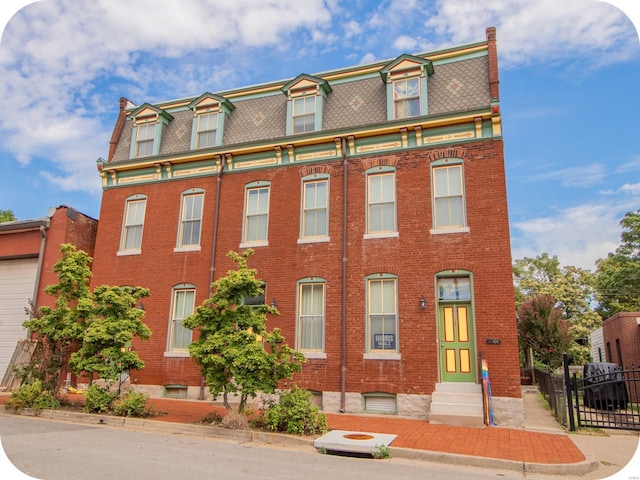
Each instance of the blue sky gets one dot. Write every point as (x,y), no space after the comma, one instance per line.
(569,84)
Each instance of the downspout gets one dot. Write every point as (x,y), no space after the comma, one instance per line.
(214,243)
(343,359)
(36,287)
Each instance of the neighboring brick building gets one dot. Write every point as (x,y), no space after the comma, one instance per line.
(28,251)
(621,336)
(374,198)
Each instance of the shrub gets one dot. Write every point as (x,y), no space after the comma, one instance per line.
(295,414)
(211,418)
(32,396)
(132,404)
(98,399)
(235,421)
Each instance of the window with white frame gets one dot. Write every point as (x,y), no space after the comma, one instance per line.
(315,207)
(256,218)
(382,315)
(183,304)
(133,223)
(381,203)
(311,315)
(145,137)
(406,97)
(190,219)
(304,114)
(207,130)
(448,197)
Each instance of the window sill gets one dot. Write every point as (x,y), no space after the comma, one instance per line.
(176,354)
(302,241)
(262,243)
(382,356)
(314,355)
(370,236)
(440,231)
(191,248)
(124,253)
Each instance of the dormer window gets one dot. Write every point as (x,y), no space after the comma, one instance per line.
(209,111)
(147,131)
(406,97)
(306,95)
(406,79)
(304,114)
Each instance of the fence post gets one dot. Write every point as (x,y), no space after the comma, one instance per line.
(568,389)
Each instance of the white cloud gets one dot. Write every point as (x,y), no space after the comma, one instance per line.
(578,235)
(582,176)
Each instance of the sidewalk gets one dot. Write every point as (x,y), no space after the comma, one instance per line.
(541,447)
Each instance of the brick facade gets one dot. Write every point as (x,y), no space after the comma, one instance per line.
(621,335)
(414,255)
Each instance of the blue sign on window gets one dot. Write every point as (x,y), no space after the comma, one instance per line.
(386,341)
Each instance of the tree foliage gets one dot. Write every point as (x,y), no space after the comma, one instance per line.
(227,350)
(88,330)
(573,291)
(618,275)
(7,216)
(543,328)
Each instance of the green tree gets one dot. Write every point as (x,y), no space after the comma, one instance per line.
(96,326)
(543,328)
(60,327)
(7,216)
(573,290)
(106,340)
(618,275)
(227,350)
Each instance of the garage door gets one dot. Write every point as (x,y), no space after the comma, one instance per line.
(17,279)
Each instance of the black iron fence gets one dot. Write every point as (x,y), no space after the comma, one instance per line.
(553,390)
(604,396)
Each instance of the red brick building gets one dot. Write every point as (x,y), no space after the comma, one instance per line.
(28,251)
(374,199)
(621,336)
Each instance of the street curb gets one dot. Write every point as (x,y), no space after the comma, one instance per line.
(280,439)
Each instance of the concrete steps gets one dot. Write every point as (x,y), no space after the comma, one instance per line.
(457,404)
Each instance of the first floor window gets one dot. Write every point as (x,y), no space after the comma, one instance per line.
(133,223)
(256,214)
(311,317)
(448,197)
(191,220)
(382,315)
(183,305)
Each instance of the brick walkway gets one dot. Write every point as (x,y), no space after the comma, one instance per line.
(490,442)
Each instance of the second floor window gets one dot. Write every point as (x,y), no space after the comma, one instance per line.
(314,209)
(191,220)
(133,224)
(381,217)
(256,221)
(448,197)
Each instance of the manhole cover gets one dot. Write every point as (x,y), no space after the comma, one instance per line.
(358,436)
